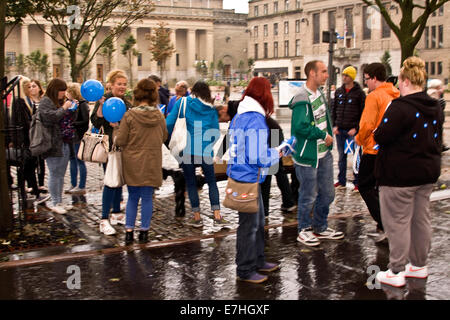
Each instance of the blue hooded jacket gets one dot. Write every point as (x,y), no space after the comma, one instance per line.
(202,123)
(249,150)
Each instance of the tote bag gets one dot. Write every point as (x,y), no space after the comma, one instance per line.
(179,135)
(114,172)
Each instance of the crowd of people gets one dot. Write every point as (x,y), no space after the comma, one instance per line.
(399,131)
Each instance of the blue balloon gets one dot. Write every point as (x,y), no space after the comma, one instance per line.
(114,109)
(92,90)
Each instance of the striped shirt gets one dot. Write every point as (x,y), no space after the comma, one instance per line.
(320,116)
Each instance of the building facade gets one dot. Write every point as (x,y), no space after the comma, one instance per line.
(286,34)
(200,31)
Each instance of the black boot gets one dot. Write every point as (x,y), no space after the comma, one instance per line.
(143,236)
(129,237)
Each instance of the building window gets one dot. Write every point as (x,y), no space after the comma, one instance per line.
(385,29)
(11,56)
(433,37)
(440,36)
(427,37)
(348,27)
(266,30)
(266,50)
(441,10)
(316,28)
(275,7)
(439,67)
(297,47)
(266,9)
(286,5)
(255,31)
(286,48)
(297,4)
(256,51)
(366,29)
(433,68)
(275,29)
(426,67)
(297,26)
(139,60)
(275,49)
(256,11)
(331,20)
(178,59)
(286,27)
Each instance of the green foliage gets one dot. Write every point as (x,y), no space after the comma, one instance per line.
(201,68)
(242,83)
(107,53)
(161,47)
(38,64)
(214,83)
(129,51)
(21,64)
(386,61)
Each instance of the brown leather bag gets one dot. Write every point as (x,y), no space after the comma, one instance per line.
(241,196)
(94,147)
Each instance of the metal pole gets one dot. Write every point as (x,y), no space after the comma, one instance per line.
(330,63)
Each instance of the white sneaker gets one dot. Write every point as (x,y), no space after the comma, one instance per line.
(69,190)
(329,234)
(118,218)
(307,237)
(57,209)
(390,278)
(106,228)
(416,272)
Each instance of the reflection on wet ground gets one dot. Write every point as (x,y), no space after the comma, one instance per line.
(205,270)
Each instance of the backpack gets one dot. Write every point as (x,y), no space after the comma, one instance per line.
(40,136)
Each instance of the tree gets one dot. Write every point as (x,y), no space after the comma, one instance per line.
(83,51)
(414,16)
(74,21)
(212,68)
(107,54)
(221,67)
(250,63)
(61,54)
(241,67)
(201,68)
(129,51)
(21,64)
(386,61)
(38,64)
(160,45)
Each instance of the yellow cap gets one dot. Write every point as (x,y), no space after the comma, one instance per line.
(350,71)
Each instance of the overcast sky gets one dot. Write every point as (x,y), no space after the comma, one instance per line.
(241,6)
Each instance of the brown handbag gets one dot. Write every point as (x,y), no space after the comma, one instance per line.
(94,147)
(241,196)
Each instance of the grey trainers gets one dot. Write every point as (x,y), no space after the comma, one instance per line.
(195,223)
(221,222)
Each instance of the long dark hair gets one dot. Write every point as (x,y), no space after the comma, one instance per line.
(201,90)
(53,88)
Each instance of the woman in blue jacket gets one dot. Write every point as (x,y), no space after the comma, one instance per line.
(202,124)
(250,155)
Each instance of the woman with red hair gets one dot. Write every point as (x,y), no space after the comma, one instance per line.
(250,159)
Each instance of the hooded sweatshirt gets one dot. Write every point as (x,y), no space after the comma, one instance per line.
(376,103)
(249,149)
(202,124)
(141,133)
(410,138)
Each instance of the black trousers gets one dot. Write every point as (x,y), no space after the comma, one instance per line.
(368,187)
(284,186)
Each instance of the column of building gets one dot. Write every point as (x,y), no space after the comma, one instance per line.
(172,63)
(191,46)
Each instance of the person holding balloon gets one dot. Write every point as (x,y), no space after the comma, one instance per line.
(110,109)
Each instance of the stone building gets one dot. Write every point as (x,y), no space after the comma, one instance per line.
(286,34)
(201,30)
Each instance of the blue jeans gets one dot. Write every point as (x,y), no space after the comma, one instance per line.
(191,183)
(134,194)
(250,242)
(111,198)
(76,164)
(316,191)
(342,163)
(57,170)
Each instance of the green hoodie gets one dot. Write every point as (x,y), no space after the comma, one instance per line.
(303,127)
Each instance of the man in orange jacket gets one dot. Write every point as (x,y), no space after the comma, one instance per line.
(381,93)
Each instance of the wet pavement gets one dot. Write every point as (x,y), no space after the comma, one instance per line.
(181,262)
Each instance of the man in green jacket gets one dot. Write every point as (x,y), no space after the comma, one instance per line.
(313,160)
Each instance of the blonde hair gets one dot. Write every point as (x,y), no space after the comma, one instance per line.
(114,75)
(74,89)
(414,70)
